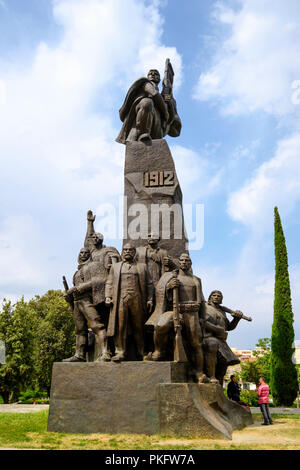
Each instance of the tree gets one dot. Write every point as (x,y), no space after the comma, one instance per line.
(283,377)
(251,371)
(260,367)
(263,354)
(54,335)
(17,326)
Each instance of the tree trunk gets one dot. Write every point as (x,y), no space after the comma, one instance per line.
(5,396)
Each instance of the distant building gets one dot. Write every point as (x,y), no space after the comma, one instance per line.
(297,354)
(248,355)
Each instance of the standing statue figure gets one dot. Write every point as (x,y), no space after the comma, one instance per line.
(215,324)
(84,312)
(190,297)
(129,290)
(156,258)
(105,255)
(148,114)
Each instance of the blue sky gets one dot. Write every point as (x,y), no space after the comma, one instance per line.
(65,66)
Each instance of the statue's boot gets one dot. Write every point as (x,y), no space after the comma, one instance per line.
(213,380)
(119,357)
(201,378)
(101,338)
(211,369)
(156,356)
(80,354)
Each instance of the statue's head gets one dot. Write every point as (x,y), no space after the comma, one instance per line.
(185,262)
(153,239)
(154,76)
(128,252)
(216,297)
(84,255)
(97,239)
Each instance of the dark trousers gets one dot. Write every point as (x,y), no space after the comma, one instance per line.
(264,408)
(130,310)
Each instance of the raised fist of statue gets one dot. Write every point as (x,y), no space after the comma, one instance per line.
(174,282)
(90,216)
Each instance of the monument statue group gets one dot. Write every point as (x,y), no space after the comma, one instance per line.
(159,346)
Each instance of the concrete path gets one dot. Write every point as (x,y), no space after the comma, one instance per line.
(14,408)
(279,411)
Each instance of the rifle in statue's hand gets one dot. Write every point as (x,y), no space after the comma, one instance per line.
(179,352)
(168,81)
(236,314)
(69,297)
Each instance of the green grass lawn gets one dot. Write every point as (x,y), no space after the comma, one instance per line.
(29,431)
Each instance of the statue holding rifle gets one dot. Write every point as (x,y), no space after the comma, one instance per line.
(148,113)
(179,298)
(215,324)
(82,300)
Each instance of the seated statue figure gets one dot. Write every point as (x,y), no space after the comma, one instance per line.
(190,299)
(215,324)
(148,114)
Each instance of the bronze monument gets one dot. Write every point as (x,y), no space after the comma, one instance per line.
(218,355)
(148,114)
(84,311)
(172,383)
(129,290)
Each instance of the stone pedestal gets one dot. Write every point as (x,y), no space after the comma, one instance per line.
(138,397)
(152,190)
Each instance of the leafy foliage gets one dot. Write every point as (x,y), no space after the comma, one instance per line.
(250,397)
(54,336)
(35,334)
(17,328)
(252,370)
(284,383)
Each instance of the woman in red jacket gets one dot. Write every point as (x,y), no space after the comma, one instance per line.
(263,401)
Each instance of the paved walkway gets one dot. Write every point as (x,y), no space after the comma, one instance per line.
(14,408)
(279,411)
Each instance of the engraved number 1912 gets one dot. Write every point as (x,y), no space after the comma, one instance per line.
(159,178)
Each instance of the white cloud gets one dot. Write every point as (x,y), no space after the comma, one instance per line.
(274,183)
(58,116)
(22,252)
(198,177)
(255,66)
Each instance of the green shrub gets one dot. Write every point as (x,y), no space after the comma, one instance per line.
(250,397)
(28,396)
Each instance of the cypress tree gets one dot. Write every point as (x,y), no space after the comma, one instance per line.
(284,383)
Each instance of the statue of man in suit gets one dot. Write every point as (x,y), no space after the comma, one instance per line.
(129,290)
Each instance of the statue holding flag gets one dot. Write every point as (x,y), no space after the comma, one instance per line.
(148,113)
